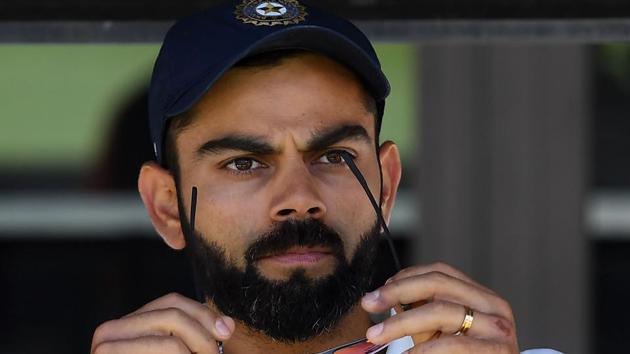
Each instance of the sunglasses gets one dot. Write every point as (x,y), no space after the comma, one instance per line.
(359,346)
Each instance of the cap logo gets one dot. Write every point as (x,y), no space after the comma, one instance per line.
(270,13)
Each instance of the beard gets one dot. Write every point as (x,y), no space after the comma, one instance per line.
(292,310)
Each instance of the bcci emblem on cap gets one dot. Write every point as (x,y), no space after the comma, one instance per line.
(270,13)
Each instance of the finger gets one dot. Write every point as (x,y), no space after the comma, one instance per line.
(462,344)
(221,327)
(442,316)
(143,345)
(171,300)
(165,322)
(438,286)
(437,267)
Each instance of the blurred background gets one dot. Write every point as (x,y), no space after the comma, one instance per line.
(513,119)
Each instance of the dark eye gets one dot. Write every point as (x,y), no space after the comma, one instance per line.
(243,164)
(332,157)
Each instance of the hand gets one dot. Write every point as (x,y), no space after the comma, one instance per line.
(438,295)
(171,324)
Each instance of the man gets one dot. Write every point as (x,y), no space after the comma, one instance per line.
(265,118)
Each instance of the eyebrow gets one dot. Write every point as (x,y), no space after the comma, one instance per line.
(253,144)
(257,145)
(324,138)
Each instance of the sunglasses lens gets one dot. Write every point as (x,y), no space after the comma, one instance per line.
(362,348)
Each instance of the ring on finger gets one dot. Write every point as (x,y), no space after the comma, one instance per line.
(467,323)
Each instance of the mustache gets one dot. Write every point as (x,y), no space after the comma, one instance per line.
(295,233)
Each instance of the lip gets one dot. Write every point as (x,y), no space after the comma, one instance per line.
(300,255)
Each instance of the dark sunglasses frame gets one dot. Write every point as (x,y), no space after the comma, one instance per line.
(373,350)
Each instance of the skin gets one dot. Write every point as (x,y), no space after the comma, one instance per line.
(293,180)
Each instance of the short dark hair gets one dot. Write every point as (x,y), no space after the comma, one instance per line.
(263,60)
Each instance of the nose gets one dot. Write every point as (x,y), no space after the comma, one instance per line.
(296,196)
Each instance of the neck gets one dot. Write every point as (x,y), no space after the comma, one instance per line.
(352,326)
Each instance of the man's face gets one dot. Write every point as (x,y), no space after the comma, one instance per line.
(284,234)
(262,150)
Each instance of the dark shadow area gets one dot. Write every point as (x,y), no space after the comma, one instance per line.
(55,293)
(611,291)
(610,166)
(354,9)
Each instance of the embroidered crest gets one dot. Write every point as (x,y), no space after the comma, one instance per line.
(270,13)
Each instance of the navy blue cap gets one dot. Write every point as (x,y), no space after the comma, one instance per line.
(199,49)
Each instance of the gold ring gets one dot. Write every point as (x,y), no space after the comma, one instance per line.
(468,320)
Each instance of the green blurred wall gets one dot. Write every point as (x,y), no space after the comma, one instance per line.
(400,123)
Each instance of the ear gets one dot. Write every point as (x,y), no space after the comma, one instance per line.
(392,170)
(159,195)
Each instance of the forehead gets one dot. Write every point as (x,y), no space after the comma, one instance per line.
(305,92)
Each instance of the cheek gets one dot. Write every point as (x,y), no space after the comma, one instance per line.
(346,201)
(350,214)
(228,221)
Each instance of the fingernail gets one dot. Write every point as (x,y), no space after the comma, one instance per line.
(221,327)
(375,330)
(371,297)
